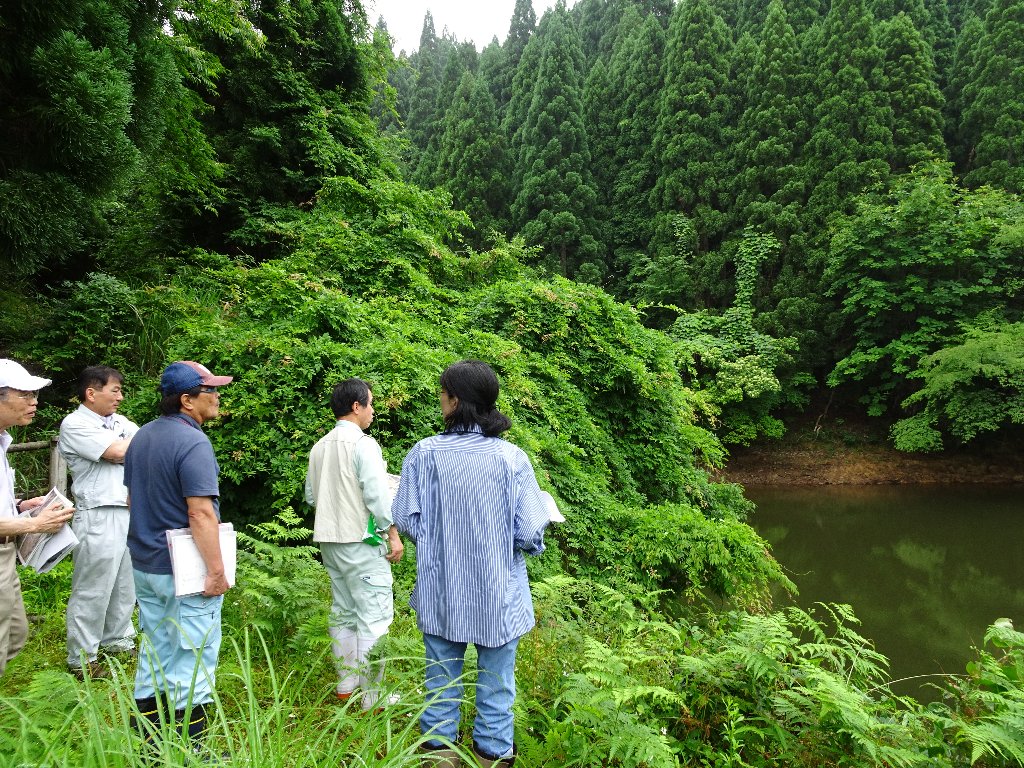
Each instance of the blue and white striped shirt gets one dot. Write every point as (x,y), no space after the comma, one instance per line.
(473,507)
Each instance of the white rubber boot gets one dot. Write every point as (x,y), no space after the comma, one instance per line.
(371,672)
(345,646)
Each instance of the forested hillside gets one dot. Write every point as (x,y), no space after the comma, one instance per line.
(875,149)
(660,224)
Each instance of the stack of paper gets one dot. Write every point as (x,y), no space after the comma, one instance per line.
(188,565)
(42,551)
(549,504)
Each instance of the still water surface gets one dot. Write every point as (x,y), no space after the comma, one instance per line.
(926,568)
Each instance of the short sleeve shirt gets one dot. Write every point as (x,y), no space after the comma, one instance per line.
(7,508)
(168,460)
(84,436)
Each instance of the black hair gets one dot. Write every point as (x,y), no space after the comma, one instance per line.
(97,377)
(171,404)
(475,384)
(347,392)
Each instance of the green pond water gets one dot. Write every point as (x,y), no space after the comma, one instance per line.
(926,568)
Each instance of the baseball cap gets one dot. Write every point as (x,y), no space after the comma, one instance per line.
(185,375)
(15,376)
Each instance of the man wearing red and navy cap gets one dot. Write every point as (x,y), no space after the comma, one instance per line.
(172,478)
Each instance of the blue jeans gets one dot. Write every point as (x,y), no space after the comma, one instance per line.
(495,692)
(183,634)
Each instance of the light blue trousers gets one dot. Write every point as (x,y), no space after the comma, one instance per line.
(362,609)
(495,693)
(361,587)
(183,634)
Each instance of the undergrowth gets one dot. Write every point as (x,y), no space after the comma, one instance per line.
(605,679)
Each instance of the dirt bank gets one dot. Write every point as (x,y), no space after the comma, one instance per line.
(811,462)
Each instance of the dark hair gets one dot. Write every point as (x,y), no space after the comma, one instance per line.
(475,384)
(97,377)
(171,404)
(347,392)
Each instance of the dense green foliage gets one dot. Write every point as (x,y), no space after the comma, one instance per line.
(216,170)
(370,300)
(914,263)
(92,104)
(635,82)
(473,160)
(554,206)
(970,387)
(994,99)
(289,111)
(692,129)
(736,368)
(768,184)
(705,119)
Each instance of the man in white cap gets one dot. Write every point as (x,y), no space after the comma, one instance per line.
(18,399)
(172,478)
(93,441)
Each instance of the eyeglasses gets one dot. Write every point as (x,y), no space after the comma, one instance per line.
(209,390)
(30,396)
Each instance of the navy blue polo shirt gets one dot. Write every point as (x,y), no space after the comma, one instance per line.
(167,460)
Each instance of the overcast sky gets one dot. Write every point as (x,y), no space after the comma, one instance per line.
(476,20)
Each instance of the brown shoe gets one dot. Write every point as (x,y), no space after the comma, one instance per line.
(442,757)
(493,762)
(124,653)
(94,669)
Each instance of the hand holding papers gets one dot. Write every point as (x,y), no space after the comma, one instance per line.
(188,565)
(42,551)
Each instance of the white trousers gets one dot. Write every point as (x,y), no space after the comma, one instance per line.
(102,598)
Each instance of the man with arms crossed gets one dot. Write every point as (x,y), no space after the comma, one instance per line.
(172,475)
(18,399)
(347,482)
(93,441)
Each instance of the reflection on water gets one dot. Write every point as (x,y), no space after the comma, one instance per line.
(926,568)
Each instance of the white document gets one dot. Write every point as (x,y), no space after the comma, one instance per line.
(187,564)
(42,551)
(549,504)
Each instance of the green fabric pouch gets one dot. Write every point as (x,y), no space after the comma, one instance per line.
(372,538)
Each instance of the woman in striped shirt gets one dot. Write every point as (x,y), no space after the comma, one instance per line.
(471,503)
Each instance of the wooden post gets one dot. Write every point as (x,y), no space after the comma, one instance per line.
(58,469)
(58,473)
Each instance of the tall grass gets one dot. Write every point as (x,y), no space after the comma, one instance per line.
(262,716)
(605,680)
